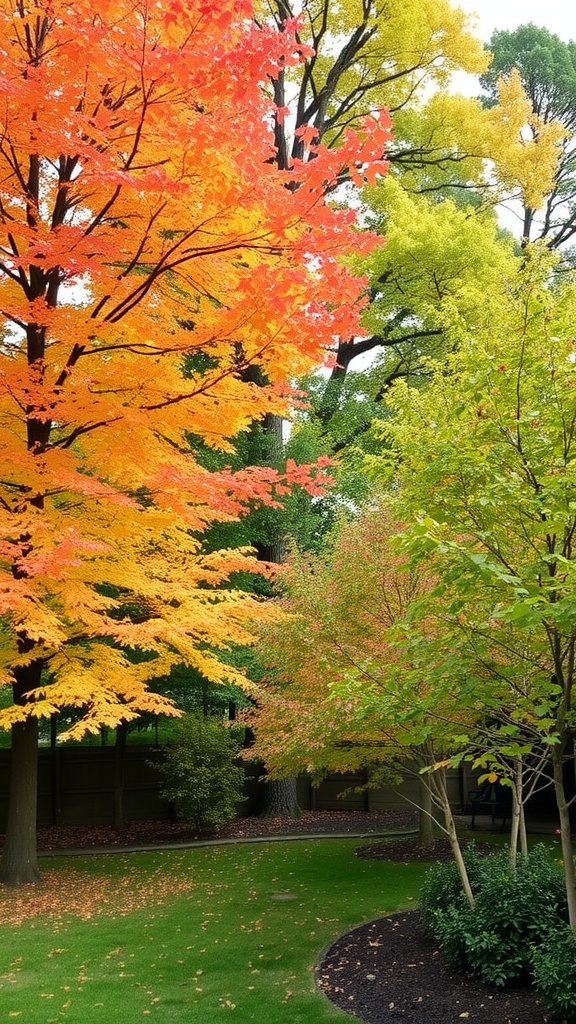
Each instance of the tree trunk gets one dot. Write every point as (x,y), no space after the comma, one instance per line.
(279,796)
(440,797)
(273,549)
(19,859)
(517,812)
(425,815)
(280,799)
(523,835)
(565,838)
(514,831)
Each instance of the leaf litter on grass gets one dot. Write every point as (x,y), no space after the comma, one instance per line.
(80,891)
(205,938)
(72,892)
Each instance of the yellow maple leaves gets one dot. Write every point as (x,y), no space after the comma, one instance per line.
(525,147)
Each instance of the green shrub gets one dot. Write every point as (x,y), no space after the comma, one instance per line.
(200,772)
(445,910)
(450,925)
(554,970)
(513,914)
(442,890)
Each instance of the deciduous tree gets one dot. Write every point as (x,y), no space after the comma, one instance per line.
(451,160)
(149,253)
(344,680)
(364,53)
(547,68)
(486,470)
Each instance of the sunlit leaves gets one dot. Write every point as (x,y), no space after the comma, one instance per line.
(150,253)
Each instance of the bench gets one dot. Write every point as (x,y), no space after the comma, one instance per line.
(492,799)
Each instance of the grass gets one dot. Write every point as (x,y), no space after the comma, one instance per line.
(194,936)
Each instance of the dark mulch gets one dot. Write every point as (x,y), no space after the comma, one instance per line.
(158,833)
(390,971)
(404,850)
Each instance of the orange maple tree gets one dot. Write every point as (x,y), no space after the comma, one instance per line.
(150,251)
(327,665)
(345,684)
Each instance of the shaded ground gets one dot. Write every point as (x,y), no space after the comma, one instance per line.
(158,833)
(390,971)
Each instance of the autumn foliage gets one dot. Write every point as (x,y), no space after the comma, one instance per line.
(339,659)
(150,253)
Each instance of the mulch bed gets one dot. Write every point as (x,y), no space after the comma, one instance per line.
(389,971)
(408,850)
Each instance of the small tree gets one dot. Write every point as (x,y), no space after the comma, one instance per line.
(486,472)
(336,699)
(200,772)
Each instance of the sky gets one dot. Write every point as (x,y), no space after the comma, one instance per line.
(559,16)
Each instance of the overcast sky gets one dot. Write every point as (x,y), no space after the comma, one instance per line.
(559,16)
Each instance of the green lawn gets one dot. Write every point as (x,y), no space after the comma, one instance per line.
(192,936)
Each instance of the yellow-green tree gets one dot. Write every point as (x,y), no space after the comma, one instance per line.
(486,473)
(364,54)
(546,66)
(451,161)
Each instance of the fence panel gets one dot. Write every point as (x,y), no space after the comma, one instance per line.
(76,787)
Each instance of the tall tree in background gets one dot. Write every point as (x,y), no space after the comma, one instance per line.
(150,252)
(362,55)
(441,265)
(444,252)
(547,68)
(365,53)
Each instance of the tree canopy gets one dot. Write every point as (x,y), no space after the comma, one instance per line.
(452,159)
(547,68)
(150,252)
